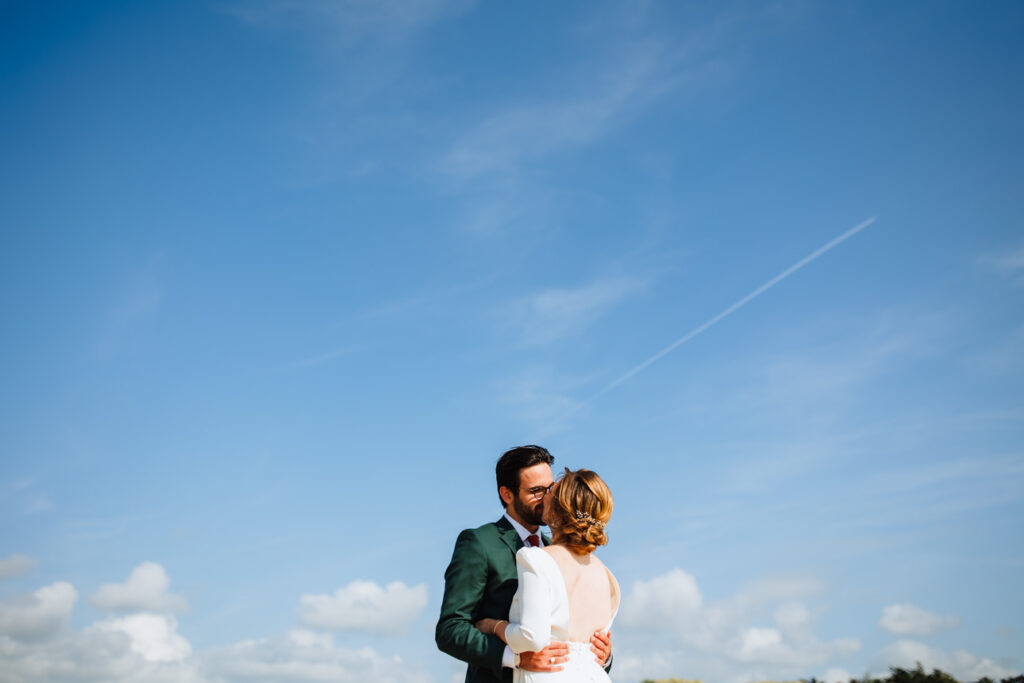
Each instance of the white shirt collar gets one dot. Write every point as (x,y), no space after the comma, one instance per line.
(520,529)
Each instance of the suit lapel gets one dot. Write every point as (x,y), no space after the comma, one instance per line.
(509,535)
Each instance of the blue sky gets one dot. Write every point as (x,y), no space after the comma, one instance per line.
(282,279)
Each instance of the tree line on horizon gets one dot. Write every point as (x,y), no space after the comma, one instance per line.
(896,675)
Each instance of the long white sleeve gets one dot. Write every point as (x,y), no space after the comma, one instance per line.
(533,632)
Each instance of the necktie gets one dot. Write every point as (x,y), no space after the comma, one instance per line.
(533,540)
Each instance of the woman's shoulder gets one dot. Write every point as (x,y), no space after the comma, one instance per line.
(529,554)
(535,559)
(602,567)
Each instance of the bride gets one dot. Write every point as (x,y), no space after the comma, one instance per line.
(565,592)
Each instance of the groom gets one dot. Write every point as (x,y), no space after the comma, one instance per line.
(481,578)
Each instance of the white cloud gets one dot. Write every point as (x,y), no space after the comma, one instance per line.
(649,664)
(365,606)
(153,637)
(792,616)
(103,653)
(302,656)
(144,590)
(671,600)
(674,630)
(759,644)
(836,675)
(960,664)
(767,646)
(553,314)
(907,619)
(15,565)
(146,648)
(40,614)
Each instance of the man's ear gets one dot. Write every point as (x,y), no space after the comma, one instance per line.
(506,495)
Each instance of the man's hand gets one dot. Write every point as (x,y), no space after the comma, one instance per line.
(601,646)
(548,659)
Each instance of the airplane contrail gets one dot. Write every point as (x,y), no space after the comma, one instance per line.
(731,309)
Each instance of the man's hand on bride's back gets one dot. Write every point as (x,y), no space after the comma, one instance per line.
(601,646)
(550,658)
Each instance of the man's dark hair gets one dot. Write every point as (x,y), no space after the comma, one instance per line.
(516,459)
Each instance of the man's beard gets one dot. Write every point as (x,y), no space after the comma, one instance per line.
(529,515)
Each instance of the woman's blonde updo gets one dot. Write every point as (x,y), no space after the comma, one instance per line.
(581,505)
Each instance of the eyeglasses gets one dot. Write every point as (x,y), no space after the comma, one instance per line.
(539,491)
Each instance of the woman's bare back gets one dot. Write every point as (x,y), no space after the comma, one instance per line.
(591,588)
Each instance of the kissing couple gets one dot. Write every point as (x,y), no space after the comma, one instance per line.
(520,607)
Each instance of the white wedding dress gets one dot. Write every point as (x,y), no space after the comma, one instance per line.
(540,613)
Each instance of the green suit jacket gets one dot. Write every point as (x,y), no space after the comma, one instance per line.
(479,582)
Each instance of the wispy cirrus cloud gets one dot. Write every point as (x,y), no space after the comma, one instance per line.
(625,65)
(502,164)
(139,298)
(526,132)
(431,301)
(540,395)
(1002,356)
(932,493)
(349,21)
(985,473)
(700,329)
(321,358)
(1009,263)
(549,315)
(28,496)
